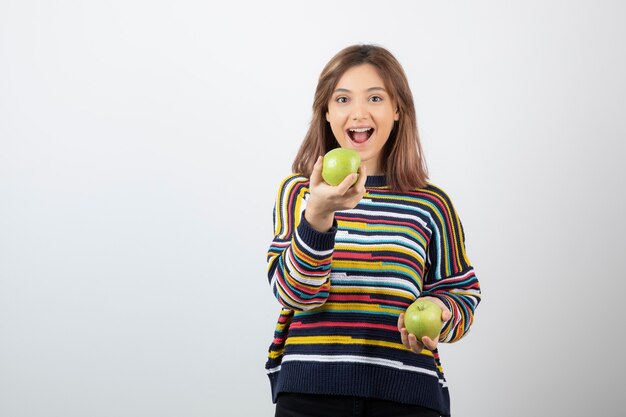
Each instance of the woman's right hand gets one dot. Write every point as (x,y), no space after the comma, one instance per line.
(325,200)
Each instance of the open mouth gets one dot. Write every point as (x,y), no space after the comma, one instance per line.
(360,134)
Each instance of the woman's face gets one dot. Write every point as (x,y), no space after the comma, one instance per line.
(361,114)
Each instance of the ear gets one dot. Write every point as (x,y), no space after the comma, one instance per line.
(396,115)
(327,117)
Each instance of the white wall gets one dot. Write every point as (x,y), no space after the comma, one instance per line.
(141,144)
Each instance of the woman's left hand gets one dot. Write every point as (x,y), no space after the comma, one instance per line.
(410,341)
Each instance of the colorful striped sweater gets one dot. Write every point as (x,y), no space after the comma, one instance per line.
(342,292)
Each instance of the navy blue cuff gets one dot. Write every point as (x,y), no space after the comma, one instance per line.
(319,241)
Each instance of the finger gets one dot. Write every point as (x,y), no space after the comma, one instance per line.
(316,174)
(358,189)
(347,182)
(429,343)
(404,336)
(355,193)
(416,345)
(362,176)
(446,314)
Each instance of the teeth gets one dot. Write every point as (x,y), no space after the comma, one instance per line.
(360,129)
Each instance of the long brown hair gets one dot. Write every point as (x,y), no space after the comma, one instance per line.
(403,159)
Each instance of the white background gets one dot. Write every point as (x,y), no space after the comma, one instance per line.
(142,142)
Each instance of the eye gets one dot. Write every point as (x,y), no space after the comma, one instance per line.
(341,99)
(376,99)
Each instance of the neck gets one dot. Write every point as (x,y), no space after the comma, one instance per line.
(373,167)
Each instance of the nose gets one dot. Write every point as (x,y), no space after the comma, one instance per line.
(359,112)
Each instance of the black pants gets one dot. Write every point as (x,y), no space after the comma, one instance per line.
(308,405)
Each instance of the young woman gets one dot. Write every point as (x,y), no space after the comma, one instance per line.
(346,261)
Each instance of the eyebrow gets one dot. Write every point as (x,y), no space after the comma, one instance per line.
(345,90)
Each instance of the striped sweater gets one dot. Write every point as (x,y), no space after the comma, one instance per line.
(342,292)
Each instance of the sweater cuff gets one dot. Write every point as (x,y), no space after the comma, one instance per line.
(319,241)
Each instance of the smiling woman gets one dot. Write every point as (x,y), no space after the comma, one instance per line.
(362,79)
(362,114)
(347,259)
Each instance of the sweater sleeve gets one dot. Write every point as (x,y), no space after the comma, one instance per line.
(449,275)
(299,257)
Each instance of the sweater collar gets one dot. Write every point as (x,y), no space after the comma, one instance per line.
(376,181)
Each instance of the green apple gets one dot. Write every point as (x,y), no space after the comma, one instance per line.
(339,163)
(423,318)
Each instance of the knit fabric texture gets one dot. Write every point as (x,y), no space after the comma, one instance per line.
(342,292)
